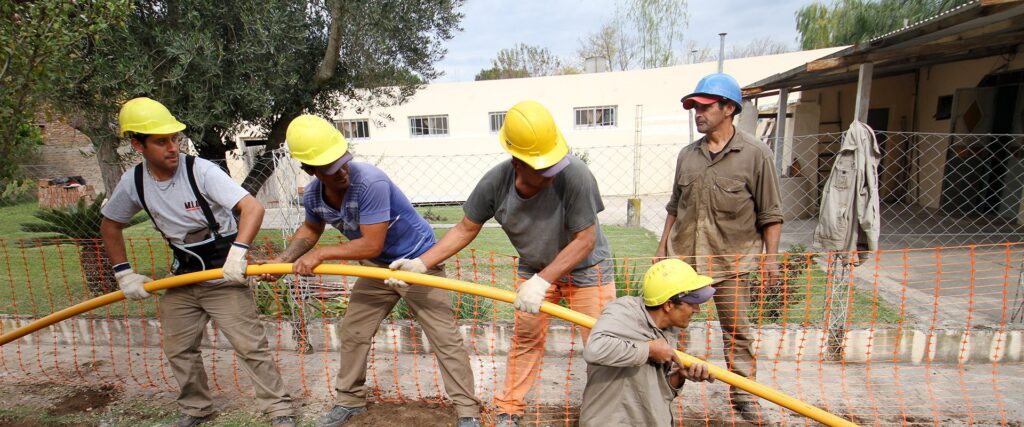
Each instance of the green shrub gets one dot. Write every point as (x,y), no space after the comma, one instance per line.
(81,223)
(16,191)
(769,301)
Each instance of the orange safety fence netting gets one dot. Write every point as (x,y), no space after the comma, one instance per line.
(912,337)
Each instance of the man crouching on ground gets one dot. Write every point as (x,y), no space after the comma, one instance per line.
(630,380)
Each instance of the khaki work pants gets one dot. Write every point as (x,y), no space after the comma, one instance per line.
(531,332)
(184,313)
(732,302)
(370,303)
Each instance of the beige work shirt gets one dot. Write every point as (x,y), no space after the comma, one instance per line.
(623,387)
(721,205)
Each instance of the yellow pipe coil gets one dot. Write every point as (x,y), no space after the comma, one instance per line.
(753,387)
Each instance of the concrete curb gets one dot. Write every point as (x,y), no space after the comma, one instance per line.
(884,344)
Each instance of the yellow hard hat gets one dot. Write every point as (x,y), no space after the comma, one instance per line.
(529,134)
(144,115)
(671,277)
(315,141)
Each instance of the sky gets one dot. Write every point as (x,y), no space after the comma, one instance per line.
(491,25)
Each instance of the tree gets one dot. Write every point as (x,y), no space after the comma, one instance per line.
(522,60)
(219,65)
(611,43)
(758,47)
(853,21)
(39,40)
(646,34)
(659,27)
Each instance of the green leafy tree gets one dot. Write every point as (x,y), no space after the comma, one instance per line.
(846,22)
(222,65)
(522,60)
(81,223)
(644,34)
(39,40)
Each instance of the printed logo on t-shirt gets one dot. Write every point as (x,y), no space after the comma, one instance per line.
(192,206)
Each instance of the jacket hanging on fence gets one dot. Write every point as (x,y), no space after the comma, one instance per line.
(849,216)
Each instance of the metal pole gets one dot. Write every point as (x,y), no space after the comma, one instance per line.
(721,52)
(693,54)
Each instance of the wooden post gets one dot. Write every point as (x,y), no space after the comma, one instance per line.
(780,130)
(860,112)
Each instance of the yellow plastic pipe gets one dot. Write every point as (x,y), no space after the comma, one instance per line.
(753,387)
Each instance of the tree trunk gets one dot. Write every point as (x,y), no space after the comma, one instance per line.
(106,143)
(96,267)
(263,167)
(109,161)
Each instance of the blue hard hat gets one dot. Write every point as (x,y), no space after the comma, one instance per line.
(714,87)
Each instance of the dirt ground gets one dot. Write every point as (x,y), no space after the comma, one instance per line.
(46,404)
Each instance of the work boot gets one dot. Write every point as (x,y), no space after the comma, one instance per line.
(507,420)
(469,422)
(186,420)
(750,411)
(339,415)
(283,421)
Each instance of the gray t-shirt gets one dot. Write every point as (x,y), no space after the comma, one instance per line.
(541,226)
(172,204)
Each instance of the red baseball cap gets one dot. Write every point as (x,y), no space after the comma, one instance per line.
(689,101)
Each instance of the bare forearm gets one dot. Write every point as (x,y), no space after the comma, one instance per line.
(302,241)
(662,250)
(771,234)
(451,243)
(571,255)
(358,249)
(250,219)
(113,240)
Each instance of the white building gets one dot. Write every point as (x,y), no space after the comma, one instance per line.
(443,140)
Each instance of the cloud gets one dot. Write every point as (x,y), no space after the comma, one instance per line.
(491,25)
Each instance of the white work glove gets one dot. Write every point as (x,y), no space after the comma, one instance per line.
(130,282)
(414,265)
(531,294)
(235,264)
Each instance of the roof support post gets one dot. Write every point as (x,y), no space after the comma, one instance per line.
(780,130)
(860,112)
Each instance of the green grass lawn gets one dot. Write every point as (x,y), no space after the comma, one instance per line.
(40,279)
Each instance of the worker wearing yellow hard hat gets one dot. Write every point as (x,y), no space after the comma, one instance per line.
(191,202)
(547,201)
(631,351)
(381,226)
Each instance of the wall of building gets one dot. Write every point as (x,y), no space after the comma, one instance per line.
(648,111)
(911,111)
(65,152)
(939,80)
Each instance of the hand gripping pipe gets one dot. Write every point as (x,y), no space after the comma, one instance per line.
(753,387)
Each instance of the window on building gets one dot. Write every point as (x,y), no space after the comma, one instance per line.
(497,119)
(354,128)
(595,117)
(944,108)
(428,125)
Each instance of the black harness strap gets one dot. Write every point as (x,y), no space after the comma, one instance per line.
(190,162)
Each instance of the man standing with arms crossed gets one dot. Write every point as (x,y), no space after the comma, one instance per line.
(725,217)
(381,226)
(547,202)
(190,201)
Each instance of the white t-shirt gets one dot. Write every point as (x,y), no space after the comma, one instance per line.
(174,208)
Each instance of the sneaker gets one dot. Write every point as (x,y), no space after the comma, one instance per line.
(469,422)
(750,411)
(507,420)
(339,415)
(187,420)
(283,421)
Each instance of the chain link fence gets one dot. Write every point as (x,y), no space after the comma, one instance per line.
(935,189)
